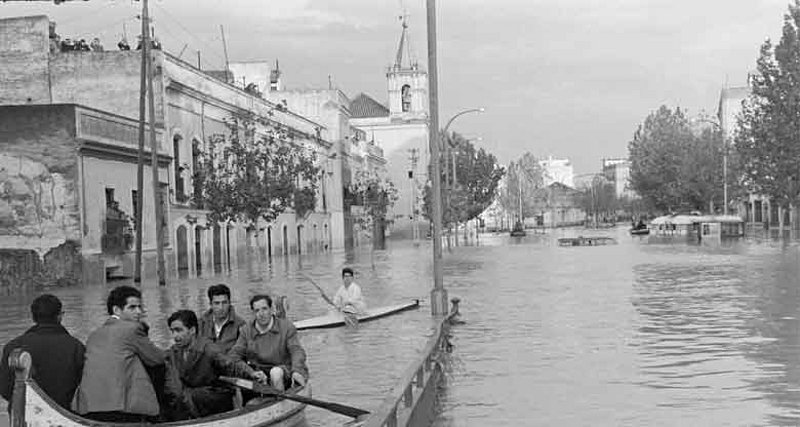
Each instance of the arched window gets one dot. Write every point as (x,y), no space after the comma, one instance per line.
(405,94)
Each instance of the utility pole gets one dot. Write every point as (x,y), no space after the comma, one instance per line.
(225,49)
(414,157)
(160,268)
(137,269)
(438,294)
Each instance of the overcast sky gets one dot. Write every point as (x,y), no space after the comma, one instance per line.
(567,78)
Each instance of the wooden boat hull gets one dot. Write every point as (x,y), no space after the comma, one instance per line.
(640,232)
(336,319)
(41,411)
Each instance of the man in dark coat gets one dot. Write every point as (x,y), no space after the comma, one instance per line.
(57,356)
(220,324)
(194,364)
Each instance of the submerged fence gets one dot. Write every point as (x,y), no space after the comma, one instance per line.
(411,401)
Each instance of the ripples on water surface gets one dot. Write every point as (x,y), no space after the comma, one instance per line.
(649,332)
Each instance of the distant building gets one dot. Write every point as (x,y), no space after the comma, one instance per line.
(191,105)
(618,172)
(753,208)
(400,128)
(558,170)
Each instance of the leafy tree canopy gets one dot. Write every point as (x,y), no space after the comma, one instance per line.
(247,176)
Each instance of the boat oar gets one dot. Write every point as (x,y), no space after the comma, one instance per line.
(321,292)
(350,319)
(263,389)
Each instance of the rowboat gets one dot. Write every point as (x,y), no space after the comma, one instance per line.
(336,319)
(640,231)
(32,407)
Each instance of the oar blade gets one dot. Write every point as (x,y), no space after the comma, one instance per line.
(261,388)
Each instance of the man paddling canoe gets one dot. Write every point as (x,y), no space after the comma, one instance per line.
(348,298)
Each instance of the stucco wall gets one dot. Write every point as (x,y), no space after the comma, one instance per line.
(24,47)
(396,141)
(38,178)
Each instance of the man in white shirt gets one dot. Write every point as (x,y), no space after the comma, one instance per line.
(348,298)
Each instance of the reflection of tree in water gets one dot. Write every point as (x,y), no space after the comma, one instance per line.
(720,334)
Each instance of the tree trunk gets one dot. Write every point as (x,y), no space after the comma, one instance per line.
(780,220)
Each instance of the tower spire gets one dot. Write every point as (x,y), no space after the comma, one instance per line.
(404,47)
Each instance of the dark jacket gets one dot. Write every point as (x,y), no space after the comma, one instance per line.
(279,346)
(114,376)
(229,333)
(192,388)
(57,362)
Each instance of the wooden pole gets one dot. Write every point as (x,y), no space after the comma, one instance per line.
(438,294)
(225,49)
(162,280)
(137,269)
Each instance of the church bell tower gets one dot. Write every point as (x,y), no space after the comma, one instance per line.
(407,83)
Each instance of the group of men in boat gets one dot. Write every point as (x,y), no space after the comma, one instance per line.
(120,375)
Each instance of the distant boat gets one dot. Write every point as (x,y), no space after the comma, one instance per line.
(640,231)
(336,319)
(518,230)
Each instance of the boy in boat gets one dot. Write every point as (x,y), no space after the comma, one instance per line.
(194,365)
(220,324)
(268,349)
(116,385)
(57,356)
(348,298)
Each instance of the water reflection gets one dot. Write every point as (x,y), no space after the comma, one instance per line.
(355,367)
(647,332)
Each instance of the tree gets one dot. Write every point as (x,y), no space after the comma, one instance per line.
(672,168)
(474,185)
(245,176)
(376,195)
(524,182)
(769,126)
(599,197)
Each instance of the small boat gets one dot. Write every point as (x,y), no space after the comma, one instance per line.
(586,241)
(336,319)
(38,409)
(640,231)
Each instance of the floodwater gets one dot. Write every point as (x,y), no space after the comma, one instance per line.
(650,331)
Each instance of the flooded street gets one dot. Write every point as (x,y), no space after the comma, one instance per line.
(646,332)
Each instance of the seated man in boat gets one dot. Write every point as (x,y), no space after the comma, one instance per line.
(56,355)
(348,298)
(116,384)
(268,349)
(194,365)
(220,324)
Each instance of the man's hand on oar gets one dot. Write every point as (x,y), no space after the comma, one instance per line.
(263,389)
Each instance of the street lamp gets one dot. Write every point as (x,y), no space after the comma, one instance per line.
(449,155)
(724,163)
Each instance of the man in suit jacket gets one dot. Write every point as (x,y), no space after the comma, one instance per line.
(115,384)
(57,356)
(194,365)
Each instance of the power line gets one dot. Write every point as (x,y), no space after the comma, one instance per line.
(201,43)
